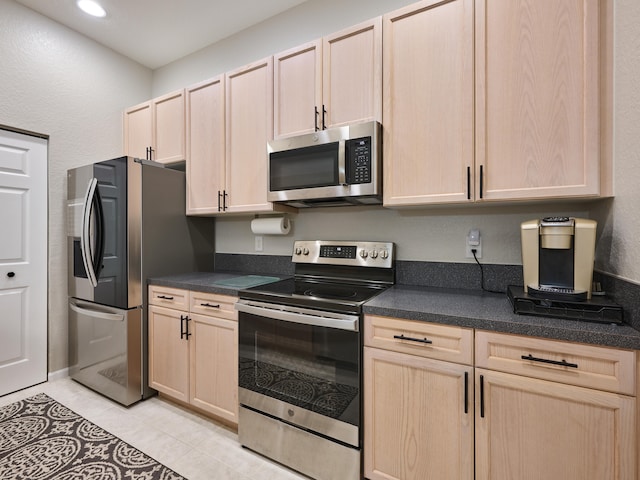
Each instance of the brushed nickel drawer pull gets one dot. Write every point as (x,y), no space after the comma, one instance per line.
(164,297)
(562,363)
(209,305)
(411,339)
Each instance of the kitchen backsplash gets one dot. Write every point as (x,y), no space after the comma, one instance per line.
(466,276)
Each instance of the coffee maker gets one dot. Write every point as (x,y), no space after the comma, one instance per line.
(557,258)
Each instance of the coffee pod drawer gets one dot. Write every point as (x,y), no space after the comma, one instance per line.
(440,342)
(601,368)
(222,306)
(169,297)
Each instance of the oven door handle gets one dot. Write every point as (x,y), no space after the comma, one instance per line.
(329,319)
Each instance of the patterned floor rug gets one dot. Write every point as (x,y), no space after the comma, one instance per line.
(41,439)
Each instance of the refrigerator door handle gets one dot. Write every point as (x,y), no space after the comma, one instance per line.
(85,239)
(115,317)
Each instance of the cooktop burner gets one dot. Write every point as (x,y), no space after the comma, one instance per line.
(299,292)
(330,292)
(333,276)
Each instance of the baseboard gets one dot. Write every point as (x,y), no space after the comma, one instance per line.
(58,374)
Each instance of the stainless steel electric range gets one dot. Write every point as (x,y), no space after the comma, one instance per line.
(301,357)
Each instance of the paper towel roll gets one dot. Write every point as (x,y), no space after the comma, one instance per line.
(270,226)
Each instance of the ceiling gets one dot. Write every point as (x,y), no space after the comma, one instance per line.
(157,32)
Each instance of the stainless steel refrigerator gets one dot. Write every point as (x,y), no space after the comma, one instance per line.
(126,222)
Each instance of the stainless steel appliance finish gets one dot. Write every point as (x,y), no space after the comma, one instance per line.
(300,357)
(337,166)
(126,222)
(317,457)
(105,349)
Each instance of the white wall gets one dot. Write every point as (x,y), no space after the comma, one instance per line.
(619,244)
(303,23)
(58,83)
(437,234)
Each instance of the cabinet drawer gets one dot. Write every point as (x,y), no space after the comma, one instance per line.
(169,297)
(442,342)
(589,366)
(213,304)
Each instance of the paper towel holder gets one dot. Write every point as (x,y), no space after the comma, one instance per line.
(280,225)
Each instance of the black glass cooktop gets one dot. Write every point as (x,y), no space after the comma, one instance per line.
(320,294)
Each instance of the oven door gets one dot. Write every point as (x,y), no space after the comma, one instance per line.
(301,366)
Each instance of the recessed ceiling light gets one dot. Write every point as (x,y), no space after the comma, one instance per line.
(92,8)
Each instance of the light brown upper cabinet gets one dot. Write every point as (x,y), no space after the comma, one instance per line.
(155,130)
(249,126)
(205,165)
(333,81)
(428,103)
(537,99)
(518,116)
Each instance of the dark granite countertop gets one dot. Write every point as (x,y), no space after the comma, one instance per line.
(492,311)
(204,281)
(465,308)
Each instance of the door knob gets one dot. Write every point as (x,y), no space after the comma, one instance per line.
(11,274)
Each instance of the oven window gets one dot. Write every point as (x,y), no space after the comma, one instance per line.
(307,167)
(315,368)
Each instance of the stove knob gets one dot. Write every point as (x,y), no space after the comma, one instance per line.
(384,254)
(374,254)
(363,253)
(298,250)
(305,251)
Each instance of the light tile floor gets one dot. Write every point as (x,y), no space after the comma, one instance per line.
(194,446)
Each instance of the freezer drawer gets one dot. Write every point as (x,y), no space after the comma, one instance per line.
(105,350)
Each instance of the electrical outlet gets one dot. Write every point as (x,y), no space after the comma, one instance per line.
(258,243)
(474,242)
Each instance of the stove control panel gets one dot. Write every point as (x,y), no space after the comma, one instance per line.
(363,254)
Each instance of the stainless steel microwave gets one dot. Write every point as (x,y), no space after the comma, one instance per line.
(336,166)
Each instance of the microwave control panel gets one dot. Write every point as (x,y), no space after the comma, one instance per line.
(358,160)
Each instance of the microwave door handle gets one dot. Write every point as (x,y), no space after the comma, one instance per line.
(342,177)
(85,239)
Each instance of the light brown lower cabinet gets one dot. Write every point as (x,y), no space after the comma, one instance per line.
(193,349)
(418,420)
(418,408)
(531,429)
(538,409)
(547,409)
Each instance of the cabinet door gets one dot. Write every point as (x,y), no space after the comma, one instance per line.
(297,84)
(531,429)
(537,112)
(205,146)
(169,128)
(428,103)
(352,74)
(249,113)
(214,366)
(137,130)
(168,353)
(418,418)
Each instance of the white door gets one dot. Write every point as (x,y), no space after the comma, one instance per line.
(23,261)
